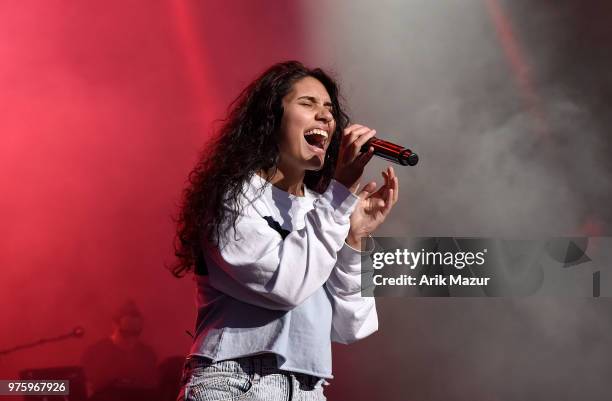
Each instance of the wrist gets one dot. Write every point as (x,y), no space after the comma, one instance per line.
(349,184)
(354,241)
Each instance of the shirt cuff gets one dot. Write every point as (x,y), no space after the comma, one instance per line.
(350,258)
(339,198)
(370,246)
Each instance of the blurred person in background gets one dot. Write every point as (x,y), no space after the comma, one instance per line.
(121,366)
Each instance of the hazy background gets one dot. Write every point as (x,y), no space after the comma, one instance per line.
(105,104)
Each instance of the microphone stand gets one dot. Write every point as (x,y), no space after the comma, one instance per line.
(77,332)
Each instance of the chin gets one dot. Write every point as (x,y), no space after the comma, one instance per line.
(315,165)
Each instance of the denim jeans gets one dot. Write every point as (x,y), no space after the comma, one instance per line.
(253,378)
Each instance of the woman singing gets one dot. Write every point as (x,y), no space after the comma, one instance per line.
(271,224)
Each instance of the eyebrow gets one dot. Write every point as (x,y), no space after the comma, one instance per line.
(315,100)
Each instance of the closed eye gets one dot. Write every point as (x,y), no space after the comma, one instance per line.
(329,107)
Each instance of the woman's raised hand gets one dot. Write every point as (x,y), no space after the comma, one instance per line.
(373,207)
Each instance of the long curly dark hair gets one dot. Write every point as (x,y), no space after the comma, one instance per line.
(246,143)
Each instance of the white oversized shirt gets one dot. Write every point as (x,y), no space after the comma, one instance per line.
(284,281)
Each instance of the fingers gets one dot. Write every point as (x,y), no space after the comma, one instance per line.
(355,139)
(350,133)
(388,202)
(365,157)
(387,195)
(363,138)
(382,191)
(351,161)
(391,182)
(395,184)
(385,174)
(367,190)
(392,193)
(355,136)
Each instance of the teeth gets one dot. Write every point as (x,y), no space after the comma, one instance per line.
(316,131)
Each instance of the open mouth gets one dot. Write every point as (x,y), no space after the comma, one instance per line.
(316,138)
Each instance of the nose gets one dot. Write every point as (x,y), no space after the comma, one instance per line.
(325,115)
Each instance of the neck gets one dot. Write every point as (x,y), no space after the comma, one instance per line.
(289,180)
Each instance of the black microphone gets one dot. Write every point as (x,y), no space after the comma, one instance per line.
(392,152)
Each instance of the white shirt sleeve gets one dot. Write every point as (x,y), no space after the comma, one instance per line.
(354,317)
(255,265)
